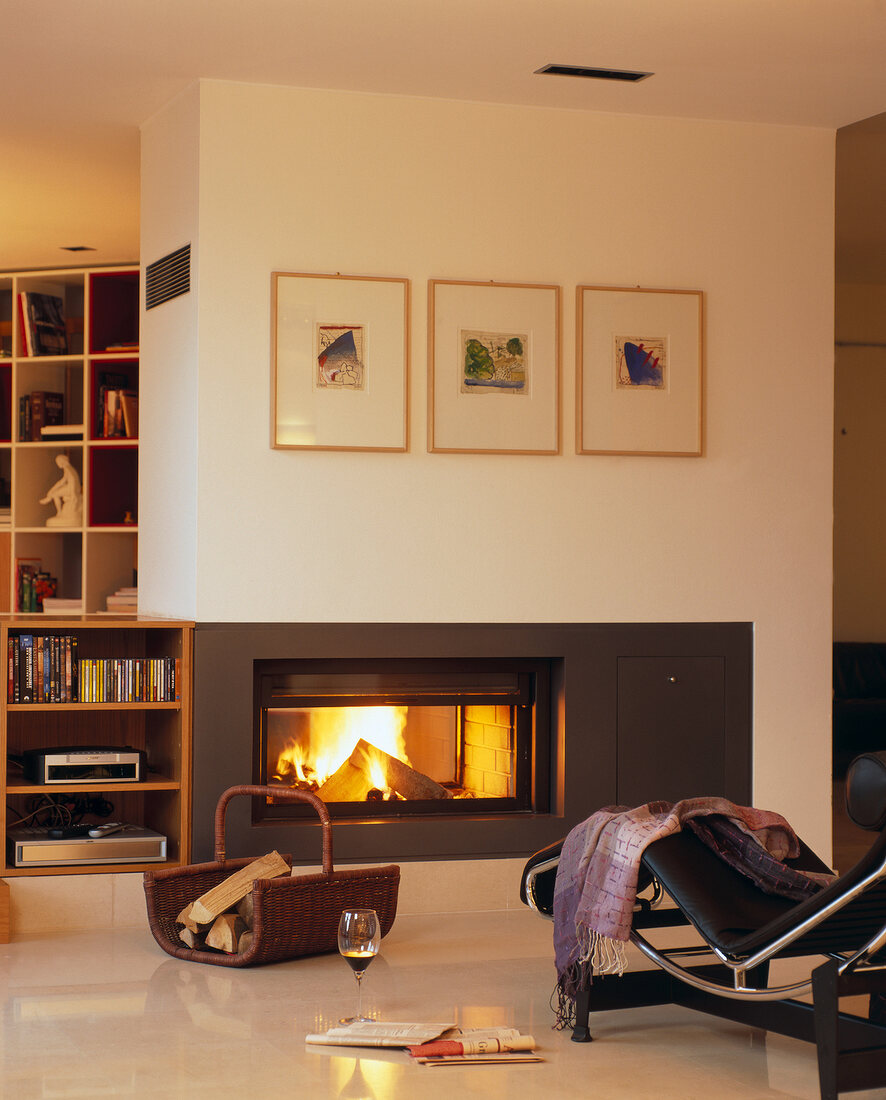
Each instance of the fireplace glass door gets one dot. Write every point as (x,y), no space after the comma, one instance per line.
(382,738)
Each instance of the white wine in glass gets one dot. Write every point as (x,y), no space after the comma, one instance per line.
(359,937)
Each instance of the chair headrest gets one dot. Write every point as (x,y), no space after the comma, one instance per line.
(866,790)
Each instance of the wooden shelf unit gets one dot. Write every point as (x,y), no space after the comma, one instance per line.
(92,561)
(162,801)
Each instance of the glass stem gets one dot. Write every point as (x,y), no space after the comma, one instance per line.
(358,974)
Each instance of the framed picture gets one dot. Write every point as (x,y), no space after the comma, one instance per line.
(639,371)
(340,348)
(493,367)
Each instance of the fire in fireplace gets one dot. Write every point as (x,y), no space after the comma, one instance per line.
(381,738)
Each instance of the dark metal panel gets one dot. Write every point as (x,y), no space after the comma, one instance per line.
(584,705)
(671,728)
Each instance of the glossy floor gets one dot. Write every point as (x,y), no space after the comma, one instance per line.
(97,1015)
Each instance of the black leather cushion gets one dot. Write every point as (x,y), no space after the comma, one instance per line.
(723,904)
(731,913)
(866,790)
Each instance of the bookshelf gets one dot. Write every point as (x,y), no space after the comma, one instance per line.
(94,556)
(161,800)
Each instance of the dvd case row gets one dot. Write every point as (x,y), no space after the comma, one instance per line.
(49,669)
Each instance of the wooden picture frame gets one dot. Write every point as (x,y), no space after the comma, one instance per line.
(639,371)
(340,352)
(493,367)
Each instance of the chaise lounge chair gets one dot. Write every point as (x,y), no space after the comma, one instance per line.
(745,929)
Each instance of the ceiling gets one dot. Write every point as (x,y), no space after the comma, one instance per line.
(79,78)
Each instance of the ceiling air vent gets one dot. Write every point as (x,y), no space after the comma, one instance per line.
(624,75)
(168,277)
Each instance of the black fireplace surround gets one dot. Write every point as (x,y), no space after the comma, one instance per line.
(632,712)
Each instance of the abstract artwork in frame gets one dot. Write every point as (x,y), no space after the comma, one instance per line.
(340,362)
(639,371)
(493,367)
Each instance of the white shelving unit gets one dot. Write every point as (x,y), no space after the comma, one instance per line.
(101,313)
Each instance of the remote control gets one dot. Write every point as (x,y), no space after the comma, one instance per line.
(68,831)
(103,830)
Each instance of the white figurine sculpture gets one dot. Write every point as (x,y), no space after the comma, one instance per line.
(66,496)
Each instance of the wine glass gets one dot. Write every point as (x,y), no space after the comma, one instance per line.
(359,937)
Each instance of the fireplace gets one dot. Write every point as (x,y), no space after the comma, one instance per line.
(587,714)
(393,738)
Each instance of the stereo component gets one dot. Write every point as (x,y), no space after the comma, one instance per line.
(131,844)
(85,764)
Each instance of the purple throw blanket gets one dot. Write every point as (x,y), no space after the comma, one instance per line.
(596,885)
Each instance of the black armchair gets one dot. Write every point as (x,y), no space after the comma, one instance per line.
(744,929)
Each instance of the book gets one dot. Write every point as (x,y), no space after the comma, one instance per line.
(62,605)
(44,324)
(26,646)
(24,417)
(47,408)
(129,405)
(106,381)
(61,431)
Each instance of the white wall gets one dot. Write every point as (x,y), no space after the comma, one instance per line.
(314,181)
(169,399)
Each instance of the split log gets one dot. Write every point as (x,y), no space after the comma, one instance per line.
(225,933)
(245,909)
(245,942)
(226,895)
(190,939)
(349,783)
(184,918)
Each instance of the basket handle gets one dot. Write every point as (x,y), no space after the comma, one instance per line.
(287,794)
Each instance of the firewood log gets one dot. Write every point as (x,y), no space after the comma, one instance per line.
(191,939)
(245,909)
(185,919)
(245,942)
(400,777)
(222,897)
(225,933)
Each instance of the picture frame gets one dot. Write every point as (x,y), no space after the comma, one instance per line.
(639,371)
(493,367)
(340,360)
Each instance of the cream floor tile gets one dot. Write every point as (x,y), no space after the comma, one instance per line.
(109,1014)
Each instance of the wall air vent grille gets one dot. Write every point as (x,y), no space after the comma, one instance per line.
(168,277)
(623,75)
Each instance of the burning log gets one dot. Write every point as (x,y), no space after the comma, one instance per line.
(353,780)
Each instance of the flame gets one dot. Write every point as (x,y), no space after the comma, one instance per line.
(334,731)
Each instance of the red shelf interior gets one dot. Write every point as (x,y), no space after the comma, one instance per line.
(113,313)
(113,478)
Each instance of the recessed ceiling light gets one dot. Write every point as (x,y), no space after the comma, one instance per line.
(77,248)
(624,75)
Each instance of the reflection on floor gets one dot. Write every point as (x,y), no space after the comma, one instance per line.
(96,1015)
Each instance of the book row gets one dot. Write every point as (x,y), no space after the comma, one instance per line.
(39,410)
(49,669)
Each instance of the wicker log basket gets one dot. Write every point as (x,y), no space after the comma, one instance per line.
(292,916)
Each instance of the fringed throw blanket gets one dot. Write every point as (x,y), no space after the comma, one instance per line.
(596,885)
